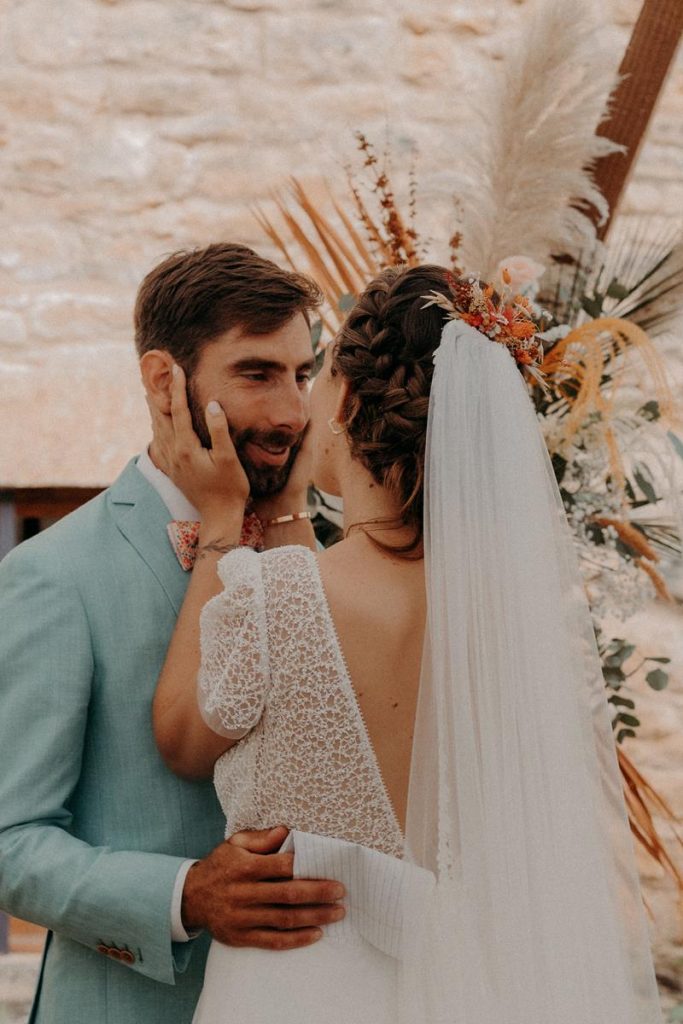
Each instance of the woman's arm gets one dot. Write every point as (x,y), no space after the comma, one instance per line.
(214,481)
(186,743)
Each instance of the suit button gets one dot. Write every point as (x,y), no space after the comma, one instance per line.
(101,948)
(126,957)
(114,953)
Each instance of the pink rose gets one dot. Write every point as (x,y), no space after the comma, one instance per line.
(524,272)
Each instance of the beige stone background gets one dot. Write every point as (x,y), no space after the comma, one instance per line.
(130,128)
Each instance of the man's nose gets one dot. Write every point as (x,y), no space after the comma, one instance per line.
(290,409)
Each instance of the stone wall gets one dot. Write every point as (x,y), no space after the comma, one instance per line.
(132,127)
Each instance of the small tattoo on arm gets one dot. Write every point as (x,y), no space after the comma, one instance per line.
(215,546)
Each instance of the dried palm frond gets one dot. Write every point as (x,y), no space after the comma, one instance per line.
(332,247)
(341,266)
(526,181)
(642,277)
(637,276)
(584,368)
(642,802)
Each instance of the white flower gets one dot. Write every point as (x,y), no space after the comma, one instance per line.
(524,272)
(555,333)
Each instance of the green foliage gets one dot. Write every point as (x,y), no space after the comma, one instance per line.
(676,442)
(316,333)
(643,477)
(657,679)
(614,654)
(651,411)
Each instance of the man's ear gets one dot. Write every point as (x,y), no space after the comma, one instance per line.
(341,413)
(156,369)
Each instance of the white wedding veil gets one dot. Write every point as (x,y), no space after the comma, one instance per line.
(515,798)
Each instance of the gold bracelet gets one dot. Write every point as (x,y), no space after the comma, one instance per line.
(292,517)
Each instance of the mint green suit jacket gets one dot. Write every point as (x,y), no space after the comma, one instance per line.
(93,826)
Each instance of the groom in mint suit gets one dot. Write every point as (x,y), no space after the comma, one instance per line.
(122,861)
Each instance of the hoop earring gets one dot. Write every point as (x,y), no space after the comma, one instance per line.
(336,428)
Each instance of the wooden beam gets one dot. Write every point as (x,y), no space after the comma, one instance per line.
(644,68)
(50,502)
(8,525)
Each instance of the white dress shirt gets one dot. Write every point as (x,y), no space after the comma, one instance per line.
(179,508)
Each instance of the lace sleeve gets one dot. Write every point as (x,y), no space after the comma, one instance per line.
(234,672)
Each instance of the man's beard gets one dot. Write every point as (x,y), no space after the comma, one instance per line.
(264,481)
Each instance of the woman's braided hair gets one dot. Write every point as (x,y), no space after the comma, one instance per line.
(385,351)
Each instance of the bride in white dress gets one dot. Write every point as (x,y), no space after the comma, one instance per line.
(421,705)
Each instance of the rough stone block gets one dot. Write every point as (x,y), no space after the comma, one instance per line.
(156,94)
(303,48)
(12,329)
(78,316)
(177,34)
(58,38)
(31,251)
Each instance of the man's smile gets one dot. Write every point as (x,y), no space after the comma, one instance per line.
(267,454)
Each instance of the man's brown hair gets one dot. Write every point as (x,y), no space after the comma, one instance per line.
(195,296)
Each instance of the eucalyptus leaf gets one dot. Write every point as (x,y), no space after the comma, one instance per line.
(657,679)
(623,733)
(619,657)
(676,442)
(650,411)
(614,677)
(617,290)
(622,702)
(316,332)
(347,302)
(628,719)
(592,306)
(662,661)
(644,484)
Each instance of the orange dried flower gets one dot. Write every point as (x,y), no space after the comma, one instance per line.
(522,329)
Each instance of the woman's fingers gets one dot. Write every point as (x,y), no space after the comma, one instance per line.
(162,429)
(217,424)
(185,436)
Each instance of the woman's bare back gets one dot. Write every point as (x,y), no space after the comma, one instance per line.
(378,606)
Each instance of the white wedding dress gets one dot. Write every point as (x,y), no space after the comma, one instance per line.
(513,897)
(273,673)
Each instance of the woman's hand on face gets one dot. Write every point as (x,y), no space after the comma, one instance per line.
(212,479)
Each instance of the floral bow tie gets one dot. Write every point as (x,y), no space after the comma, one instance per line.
(184,535)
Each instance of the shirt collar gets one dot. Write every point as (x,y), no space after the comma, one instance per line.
(173,498)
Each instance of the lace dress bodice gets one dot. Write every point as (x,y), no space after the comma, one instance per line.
(273,675)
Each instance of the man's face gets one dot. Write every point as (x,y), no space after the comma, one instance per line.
(261,381)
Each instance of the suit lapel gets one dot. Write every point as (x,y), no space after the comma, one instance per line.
(142,517)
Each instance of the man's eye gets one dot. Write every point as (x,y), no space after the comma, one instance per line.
(255,376)
(303,378)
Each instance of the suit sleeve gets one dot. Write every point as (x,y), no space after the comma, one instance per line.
(94,895)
